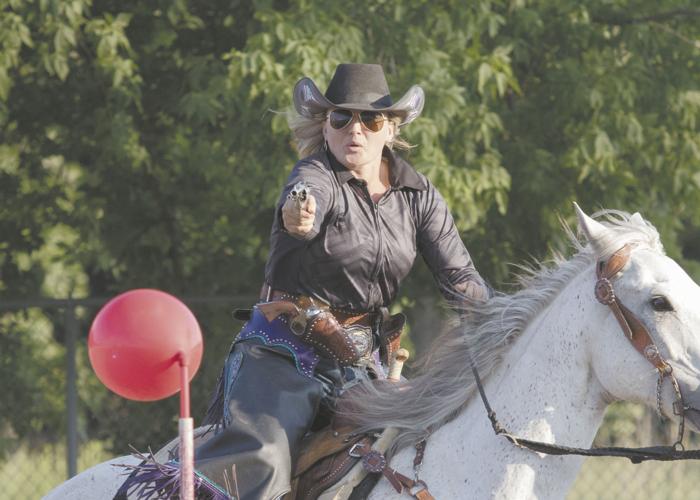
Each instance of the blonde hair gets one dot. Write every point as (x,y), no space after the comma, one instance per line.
(308,133)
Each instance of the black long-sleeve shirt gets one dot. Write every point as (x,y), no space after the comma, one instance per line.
(358,251)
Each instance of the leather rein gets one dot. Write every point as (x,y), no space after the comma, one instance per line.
(639,337)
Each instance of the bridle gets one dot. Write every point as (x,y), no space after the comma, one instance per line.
(639,337)
(637,333)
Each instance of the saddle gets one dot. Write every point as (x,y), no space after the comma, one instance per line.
(328,468)
(339,465)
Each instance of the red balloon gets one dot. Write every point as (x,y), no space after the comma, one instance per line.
(135,341)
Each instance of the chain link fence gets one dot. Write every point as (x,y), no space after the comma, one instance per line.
(632,425)
(30,468)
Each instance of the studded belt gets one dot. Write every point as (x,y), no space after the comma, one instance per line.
(344,336)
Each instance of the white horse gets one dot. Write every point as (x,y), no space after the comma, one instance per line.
(552,359)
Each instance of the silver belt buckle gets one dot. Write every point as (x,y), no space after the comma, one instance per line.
(361,337)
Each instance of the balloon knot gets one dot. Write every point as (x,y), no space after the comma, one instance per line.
(181,358)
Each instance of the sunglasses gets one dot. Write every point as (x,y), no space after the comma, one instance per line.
(371,120)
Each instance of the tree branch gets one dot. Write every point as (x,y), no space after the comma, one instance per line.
(619,19)
(682,38)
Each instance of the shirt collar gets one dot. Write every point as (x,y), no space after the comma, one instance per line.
(401,173)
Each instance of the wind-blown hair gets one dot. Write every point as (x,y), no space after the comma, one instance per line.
(308,133)
(444,383)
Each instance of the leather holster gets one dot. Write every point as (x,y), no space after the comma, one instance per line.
(390,331)
(333,340)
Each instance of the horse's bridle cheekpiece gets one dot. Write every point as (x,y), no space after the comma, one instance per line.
(639,337)
(637,333)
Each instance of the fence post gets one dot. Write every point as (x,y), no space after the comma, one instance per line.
(71,390)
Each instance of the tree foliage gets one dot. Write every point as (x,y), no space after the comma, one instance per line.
(142,143)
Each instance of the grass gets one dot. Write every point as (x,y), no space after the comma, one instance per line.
(28,474)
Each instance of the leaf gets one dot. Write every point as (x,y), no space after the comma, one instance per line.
(603,148)
(60,66)
(485,73)
(5,84)
(596,99)
(635,133)
(501,81)
(696,179)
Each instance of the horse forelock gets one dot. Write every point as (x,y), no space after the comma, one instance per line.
(444,383)
(626,229)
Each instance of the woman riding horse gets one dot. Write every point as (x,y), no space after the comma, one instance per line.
(349,223)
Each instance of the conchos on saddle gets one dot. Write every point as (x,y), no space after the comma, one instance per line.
(349,224)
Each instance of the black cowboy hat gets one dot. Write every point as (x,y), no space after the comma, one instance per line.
(359,87)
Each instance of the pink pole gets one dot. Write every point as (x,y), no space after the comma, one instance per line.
(184,386)
(186,433)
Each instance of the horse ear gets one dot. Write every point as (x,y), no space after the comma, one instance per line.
(637,218)
(595,231)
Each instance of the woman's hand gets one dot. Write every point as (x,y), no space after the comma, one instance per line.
(298,218)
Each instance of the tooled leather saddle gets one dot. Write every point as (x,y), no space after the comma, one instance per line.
(340,465)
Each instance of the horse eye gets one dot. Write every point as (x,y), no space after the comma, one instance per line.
(661,303)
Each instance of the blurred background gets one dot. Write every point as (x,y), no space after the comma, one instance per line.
(141,145)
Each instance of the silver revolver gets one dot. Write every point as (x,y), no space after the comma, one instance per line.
(299,193)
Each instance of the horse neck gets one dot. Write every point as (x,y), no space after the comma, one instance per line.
(547,376)
(544,389)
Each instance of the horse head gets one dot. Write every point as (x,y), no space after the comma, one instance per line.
(658,295)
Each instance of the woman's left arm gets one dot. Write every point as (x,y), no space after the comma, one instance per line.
(439,243)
